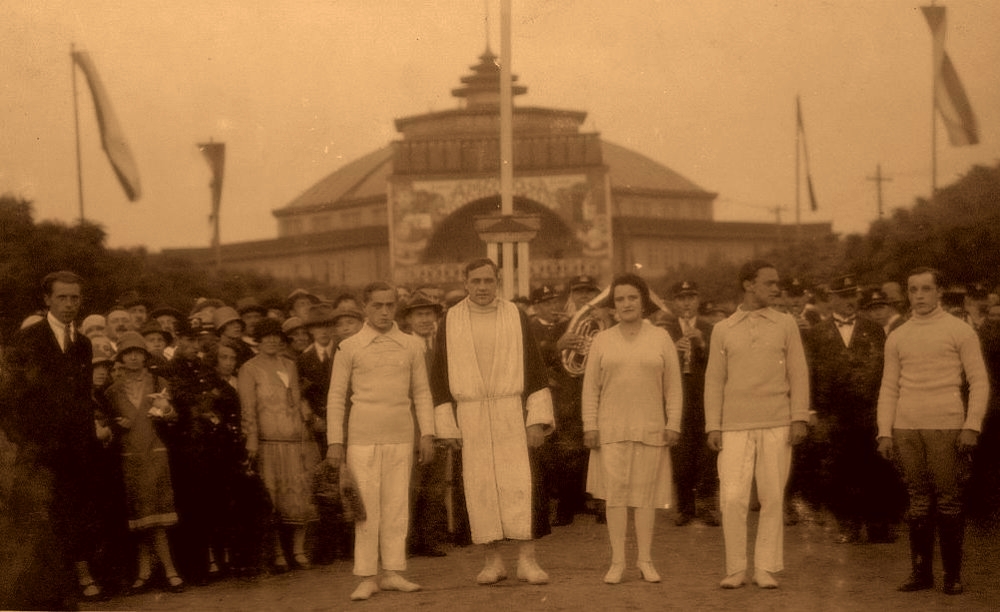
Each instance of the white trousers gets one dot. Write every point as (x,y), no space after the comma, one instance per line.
(383,475)
(763,454)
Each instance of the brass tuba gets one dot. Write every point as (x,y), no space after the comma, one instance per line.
(585,323)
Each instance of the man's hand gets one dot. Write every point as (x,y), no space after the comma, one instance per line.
(335,454)
(124,422)
(319,425)
(452,443)
(670,437)
(797,433)
(715,440)
(592,439)
(885,447)
(426,450)
(967,440)
(536,435)
(570,341)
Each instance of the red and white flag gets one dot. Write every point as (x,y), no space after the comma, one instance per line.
(112,138)
(949,95)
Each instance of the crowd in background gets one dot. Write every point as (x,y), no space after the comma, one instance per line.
(210,428)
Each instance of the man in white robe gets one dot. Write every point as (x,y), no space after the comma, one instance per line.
(488,372)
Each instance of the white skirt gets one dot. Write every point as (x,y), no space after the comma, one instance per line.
(631,474)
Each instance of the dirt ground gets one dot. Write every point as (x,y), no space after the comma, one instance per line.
(820,575)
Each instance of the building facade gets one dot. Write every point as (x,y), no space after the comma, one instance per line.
(407,211)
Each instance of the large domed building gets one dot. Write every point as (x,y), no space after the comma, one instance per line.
(407,211)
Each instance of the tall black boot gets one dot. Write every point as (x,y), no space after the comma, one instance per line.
(952,530)
(921,555)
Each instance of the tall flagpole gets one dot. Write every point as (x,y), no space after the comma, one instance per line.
(76,124)
(798,170)
(934,84)
(506,145)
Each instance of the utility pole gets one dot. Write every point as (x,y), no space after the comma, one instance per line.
(777,220)
(878,179)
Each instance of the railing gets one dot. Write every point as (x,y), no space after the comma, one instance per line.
(475,155)
(542,271)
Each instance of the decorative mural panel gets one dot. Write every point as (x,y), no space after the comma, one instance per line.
(417,208)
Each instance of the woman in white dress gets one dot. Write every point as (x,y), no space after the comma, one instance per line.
(631,416)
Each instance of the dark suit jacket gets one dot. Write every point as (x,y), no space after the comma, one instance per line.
(845,380)
(48,408)
(314,378)
(693,419)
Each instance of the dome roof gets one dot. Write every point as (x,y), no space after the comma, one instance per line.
(365,179)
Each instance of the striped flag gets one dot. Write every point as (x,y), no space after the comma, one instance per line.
(112,138)
(949,95)
(801,132)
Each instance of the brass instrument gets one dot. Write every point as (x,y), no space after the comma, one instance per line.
(585,323)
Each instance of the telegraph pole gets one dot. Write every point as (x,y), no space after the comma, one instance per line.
(878,179)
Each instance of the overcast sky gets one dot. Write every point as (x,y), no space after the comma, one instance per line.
(296,90)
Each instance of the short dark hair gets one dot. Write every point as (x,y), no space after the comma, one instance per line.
(633,280)
(750,270)
(475,264)
(62,276)
(934,272)
(211,358)
(372,287)
(269,327)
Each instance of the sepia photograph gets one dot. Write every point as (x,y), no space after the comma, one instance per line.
(500,304)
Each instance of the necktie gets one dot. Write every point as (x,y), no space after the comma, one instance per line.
(322,354)
(843,322)
(66,338)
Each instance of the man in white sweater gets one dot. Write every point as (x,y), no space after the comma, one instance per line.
(922,419)
(756,409)
(385,371)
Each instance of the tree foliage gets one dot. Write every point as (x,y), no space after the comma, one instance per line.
(29,251)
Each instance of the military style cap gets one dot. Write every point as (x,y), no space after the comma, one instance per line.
(584,281)
(543,294)
(684,288)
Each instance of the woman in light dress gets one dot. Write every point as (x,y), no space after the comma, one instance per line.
(631,415)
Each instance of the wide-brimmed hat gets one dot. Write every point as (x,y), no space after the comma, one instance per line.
(420,300)
(299,294)
(130,341)
(132,298)
(346,311)
(103,350)
(164,310)
(92,322)
(320,315)
(843,285)
(250,304)
(224,316)
(152,327)
(291,324)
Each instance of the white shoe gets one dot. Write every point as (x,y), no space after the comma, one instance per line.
(395,582)
(527,569)
(764,579)
(614,575)
(365,590)
(649,573)
(734,581)
(492,574)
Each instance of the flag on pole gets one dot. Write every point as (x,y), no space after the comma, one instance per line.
(805,152)
(215,153)
(949,95)
(112,137)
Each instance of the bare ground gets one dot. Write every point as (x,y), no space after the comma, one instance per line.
(820,575)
